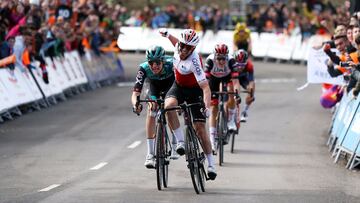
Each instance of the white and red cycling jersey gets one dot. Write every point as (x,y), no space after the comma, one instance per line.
(189,72)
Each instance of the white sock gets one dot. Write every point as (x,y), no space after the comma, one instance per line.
(232,114)
(179,135)
(150,146)
(212,131)
(246,107)
(210,159)
(173,141)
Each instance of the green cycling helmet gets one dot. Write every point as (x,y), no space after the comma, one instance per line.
(155,53)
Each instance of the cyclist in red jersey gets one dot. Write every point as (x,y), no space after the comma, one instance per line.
(190,84)
(246,79)
(221,67)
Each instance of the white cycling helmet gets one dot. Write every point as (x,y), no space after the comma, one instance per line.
(189,37)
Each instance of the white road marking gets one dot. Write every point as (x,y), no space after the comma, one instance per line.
(99,166)
(134,144)
(276,80)
(49,188)
(125,84)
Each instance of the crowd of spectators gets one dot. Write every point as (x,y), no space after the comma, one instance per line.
(35,29)
(307,17)
(345,38)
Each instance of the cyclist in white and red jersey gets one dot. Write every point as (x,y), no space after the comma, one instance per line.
(221,67)
(190,83)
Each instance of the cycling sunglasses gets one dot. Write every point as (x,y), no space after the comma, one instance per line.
(182,46)
(158,62)
(219,58)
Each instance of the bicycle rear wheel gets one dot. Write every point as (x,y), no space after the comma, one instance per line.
(200,160)
(202,171)
(160,154)
(192,158)
(221,135)
(166,159)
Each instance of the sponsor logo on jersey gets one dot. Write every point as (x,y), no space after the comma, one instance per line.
(197,66)
(139,77)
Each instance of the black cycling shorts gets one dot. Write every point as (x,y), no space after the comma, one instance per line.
(159,86)
(188,95)
(214,84)
(244,81)
(243,45)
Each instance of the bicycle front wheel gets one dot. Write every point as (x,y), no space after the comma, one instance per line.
(192,159)
(167,153)
(160,154)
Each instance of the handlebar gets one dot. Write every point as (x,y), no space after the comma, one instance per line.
(139,101)
(184,106)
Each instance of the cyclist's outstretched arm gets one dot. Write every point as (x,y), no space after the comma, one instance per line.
(173,39)
(165,33)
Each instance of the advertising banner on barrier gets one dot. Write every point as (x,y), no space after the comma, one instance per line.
(76,62)
(55,82)
(73,68)
(340,114)
(63,75)
(352,136)
(317,69)
(6,100)
(89,69)
(300,49)
(17,86)
(349,113)
(28,79)
(261,46)
(46,88)
(70,72)
(282,47)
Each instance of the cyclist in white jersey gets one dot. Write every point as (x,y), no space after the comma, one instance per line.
(222,67)
(190,83)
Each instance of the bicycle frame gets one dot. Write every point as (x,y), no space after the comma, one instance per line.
(221,123)
(163,146)
(194,155)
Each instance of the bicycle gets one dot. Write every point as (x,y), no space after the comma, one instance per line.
(163,146)
(194,154)
(221,124)
(234,133)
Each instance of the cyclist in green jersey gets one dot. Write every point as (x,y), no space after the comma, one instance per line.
(158,69)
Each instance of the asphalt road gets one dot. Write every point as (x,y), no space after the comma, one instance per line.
(78,150)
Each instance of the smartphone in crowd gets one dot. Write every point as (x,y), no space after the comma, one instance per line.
(344,64)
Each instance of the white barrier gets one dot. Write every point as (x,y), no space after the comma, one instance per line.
(6,100)
(277,46)
(18,87)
